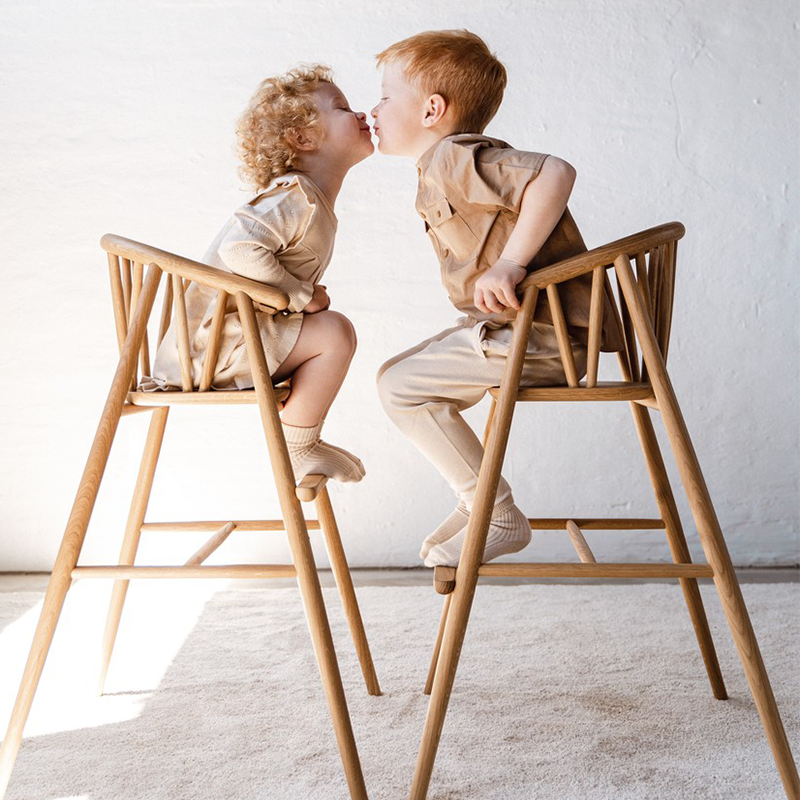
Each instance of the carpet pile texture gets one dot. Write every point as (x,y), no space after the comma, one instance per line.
(574,692)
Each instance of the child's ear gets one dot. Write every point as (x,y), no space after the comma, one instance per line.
(435,108)
(302,138)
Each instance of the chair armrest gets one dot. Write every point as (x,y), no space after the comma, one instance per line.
(195,271)
(603,256)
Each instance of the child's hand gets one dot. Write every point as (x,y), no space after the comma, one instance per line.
(319,300)
(495,290)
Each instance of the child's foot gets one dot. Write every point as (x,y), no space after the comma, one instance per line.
(311,456)
(509,532)
(447,530)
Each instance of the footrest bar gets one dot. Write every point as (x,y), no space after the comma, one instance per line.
(608,570)
(212,526)
(597,524)
(309,487)
(214,571)
(444,579)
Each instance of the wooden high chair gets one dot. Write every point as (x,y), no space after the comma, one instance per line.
(133,295)
(643,316)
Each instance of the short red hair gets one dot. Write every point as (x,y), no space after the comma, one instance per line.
(459,66)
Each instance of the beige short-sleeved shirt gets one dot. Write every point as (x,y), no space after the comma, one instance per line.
(284,237)
(469,194)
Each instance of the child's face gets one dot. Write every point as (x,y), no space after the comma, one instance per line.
(347,138)
(399,114)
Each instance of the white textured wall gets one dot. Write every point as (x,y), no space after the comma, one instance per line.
(119,117)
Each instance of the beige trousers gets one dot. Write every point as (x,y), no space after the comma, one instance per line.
(424,389)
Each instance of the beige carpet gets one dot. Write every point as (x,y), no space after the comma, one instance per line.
(575,692)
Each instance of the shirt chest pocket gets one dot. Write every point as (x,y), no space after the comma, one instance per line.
(450,230)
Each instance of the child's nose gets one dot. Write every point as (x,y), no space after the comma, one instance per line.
(374,113)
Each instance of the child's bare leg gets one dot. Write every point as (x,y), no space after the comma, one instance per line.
(317,365)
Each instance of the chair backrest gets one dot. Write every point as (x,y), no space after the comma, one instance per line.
(653,252)
(126,263)
(655,281)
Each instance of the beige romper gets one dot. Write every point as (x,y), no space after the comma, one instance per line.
(469,194)
(283,237)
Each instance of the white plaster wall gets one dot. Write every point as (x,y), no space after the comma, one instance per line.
(119,117)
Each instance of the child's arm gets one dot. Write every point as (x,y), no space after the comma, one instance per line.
(249,248)
(543,203)
(263,228)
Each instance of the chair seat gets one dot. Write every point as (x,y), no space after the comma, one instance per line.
(211,397)
(603,390)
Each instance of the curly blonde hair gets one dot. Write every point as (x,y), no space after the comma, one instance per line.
(280,104)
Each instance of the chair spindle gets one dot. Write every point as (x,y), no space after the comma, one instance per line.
(641,275)
(118,301)
(214,335)
(136,290)
(562,334)
(126,286)
(184,355)
(668,287)
(595,326)
(631,351)
(166,311)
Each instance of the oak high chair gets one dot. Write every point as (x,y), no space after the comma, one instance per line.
(643,315)
(133,295)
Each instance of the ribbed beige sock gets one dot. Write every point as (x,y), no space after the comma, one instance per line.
(449,528)
(509,532)
(311,456)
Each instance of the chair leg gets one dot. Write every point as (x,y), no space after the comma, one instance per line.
(344,582)
(75,533)
(452,642)
(711,537)
(302,555)
(133,530)
(489,419)
(446,607)
(57,588)
(678,546)
(438,646)
(472,554)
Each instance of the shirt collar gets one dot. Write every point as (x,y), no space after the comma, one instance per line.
(423,162)
(320,195)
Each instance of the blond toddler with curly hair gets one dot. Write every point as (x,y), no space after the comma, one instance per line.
(298,139)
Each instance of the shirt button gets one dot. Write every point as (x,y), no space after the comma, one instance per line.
(445,252)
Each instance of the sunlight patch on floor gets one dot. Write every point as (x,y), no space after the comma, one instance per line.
(157,618)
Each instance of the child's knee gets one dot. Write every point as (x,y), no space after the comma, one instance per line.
(339,332)
(389,382)
(399,389)
(382,371)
